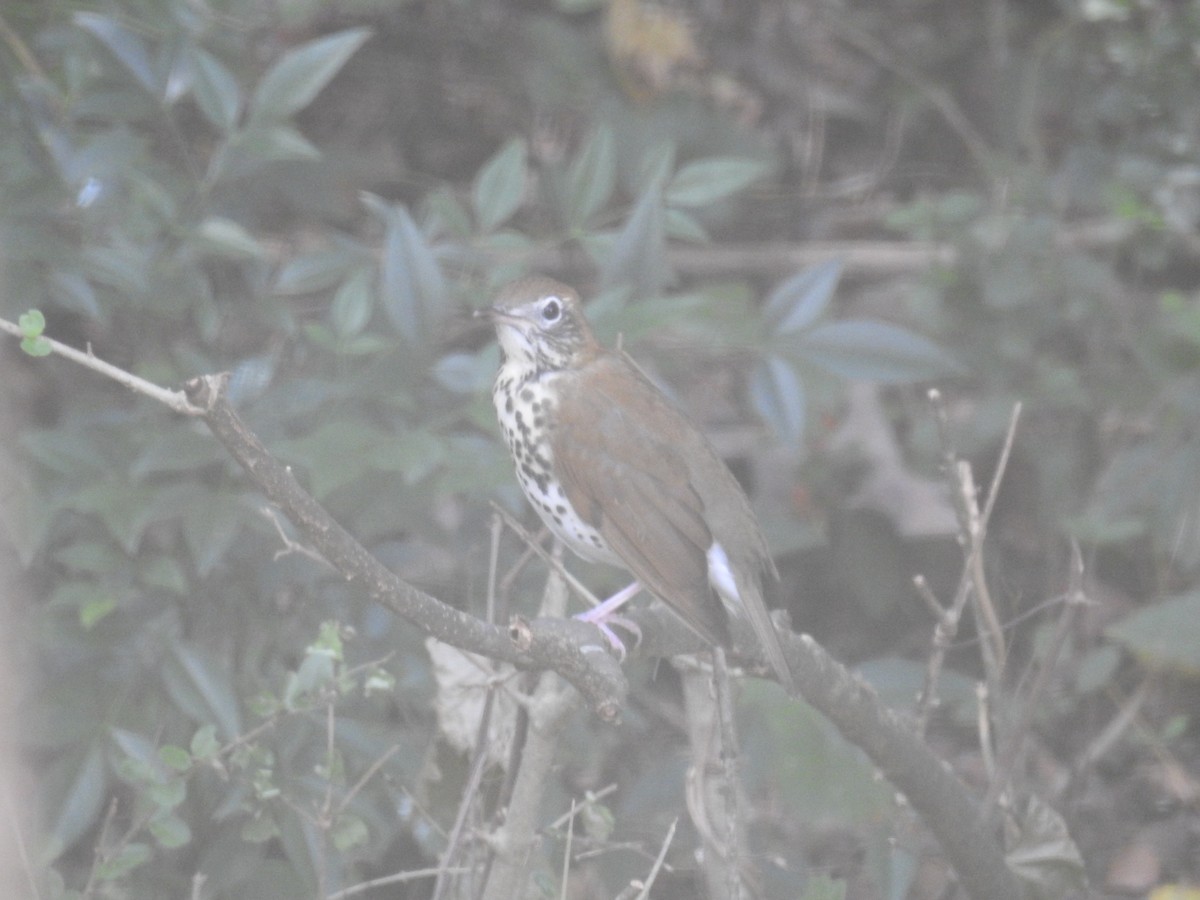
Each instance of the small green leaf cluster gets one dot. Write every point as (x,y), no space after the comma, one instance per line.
(233,772)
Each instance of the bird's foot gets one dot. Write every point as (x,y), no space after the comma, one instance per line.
(603,615)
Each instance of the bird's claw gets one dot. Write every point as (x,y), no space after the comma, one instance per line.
(604,621)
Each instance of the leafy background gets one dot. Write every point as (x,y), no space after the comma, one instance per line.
(769,203)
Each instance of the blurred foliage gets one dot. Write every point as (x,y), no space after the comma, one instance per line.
(315,200)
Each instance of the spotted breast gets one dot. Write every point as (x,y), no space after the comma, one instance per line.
(525,399)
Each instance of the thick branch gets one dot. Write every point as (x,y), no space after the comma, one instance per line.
(938,796)
(860,258)
(569,647)
(970,842)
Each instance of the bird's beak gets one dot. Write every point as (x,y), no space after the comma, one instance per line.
(498,315)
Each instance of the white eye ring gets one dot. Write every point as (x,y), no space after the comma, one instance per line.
(551,310)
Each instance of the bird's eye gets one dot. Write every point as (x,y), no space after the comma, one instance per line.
(551,309)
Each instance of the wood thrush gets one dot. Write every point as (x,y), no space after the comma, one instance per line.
(620,475)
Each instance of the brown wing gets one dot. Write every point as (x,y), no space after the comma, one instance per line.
(617,446)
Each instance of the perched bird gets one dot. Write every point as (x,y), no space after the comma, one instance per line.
(620,475)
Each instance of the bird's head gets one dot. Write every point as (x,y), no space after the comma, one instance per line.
(540,321)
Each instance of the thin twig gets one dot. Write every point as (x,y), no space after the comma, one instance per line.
(973,525)
(1127,714)
(1020,721)
(18,48)
(556,564)
(589,798)
(396,878)
(1010,436)
(470,793)
(367,776)
(497,527)
(658,861)
(273,516)
(566,863)
(176,400)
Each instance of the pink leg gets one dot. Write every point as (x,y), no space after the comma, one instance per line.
(612,604)
(602,614)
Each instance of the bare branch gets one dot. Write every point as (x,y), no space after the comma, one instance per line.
(570,647)
(176,400)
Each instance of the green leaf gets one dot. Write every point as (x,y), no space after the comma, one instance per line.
(318,271)
(211,523)
(353,303)
(500,185)
(412,288)
(163,573)
(75,594)
(1163,634)
(578,7)
(592,177)
(92,557)
(127,509)
(36,346)
(128,858)
(1044,856)
(260,829)
(167,793)
(683,226)
(169,830)
(329,642)
(822,887)
(204,745)
(95,609)
(247,151)
(176,449)
(358,345)
(468,373)
(655,166)
(800,300)
(598,821)
(316,672)
(444,214)
(706,181)
(225,238)
(200,686)
(125,45)
(638,256)
(175,757)
(779,397)
(123,267)
(140,763)
(296,79)
(874,351)
(216,90)
(379,681)
(76,787)
(349,831)
(31,323)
